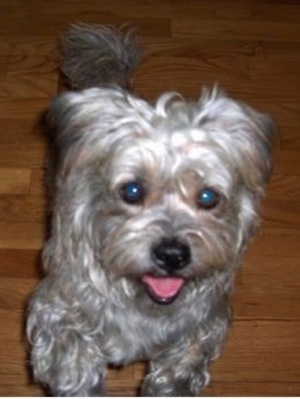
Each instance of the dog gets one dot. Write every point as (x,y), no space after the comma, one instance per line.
(153,208)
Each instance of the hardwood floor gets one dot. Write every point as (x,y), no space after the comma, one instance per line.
(252,48)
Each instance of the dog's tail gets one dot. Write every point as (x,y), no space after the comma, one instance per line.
(96,55)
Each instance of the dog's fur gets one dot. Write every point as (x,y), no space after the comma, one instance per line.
(149,199)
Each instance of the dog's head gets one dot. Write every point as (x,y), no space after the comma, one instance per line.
(160,195)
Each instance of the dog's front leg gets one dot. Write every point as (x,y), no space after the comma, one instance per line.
(181,368)
(68,364)
(67,360)
(174,381)
(181,372)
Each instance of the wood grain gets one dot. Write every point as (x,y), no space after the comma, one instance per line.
(252,48)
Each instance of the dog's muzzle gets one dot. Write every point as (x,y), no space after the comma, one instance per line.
(169,255)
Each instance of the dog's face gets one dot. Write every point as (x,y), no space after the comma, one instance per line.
(161,195)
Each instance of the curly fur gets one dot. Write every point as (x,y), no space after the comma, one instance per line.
(92,308)
(97,55)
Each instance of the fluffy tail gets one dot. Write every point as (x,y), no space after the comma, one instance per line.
(96,55)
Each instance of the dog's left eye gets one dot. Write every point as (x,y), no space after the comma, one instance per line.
(132,193)
(208,198)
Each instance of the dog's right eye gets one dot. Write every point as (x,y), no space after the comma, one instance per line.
(132,193)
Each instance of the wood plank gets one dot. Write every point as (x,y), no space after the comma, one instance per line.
(13,356)
(4,48)
(15,181)
(3,64)
(256,351)
(284,188)
(26,132)
(29,75)
(55,24)
(179,47)
(23,108)
(276,242)
(136,9)
(27,45)
(22,235)
(287,163)
(231,74)
(28,86)
(20,390)
(22,379)
(27,64)
(228,29)
(20,263)
(255,389)
(14,293)
(267,289)
(9,320)
(22,157)
(277,214)
(22,208)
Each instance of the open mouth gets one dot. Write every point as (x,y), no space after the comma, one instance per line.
(163,290)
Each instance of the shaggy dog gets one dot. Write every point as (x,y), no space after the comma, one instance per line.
(154,205)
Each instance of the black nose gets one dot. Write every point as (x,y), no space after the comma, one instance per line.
(171,255)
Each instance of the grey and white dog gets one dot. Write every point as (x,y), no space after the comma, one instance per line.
(153,208)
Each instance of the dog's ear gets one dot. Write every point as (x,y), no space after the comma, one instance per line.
(85,124)
(73,115)
(263,125)
(255,142)
(69,120)
(245,136)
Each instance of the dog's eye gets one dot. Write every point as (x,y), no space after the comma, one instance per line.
(208,198)
(132,193)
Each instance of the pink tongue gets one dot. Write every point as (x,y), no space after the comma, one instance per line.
(163,287)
